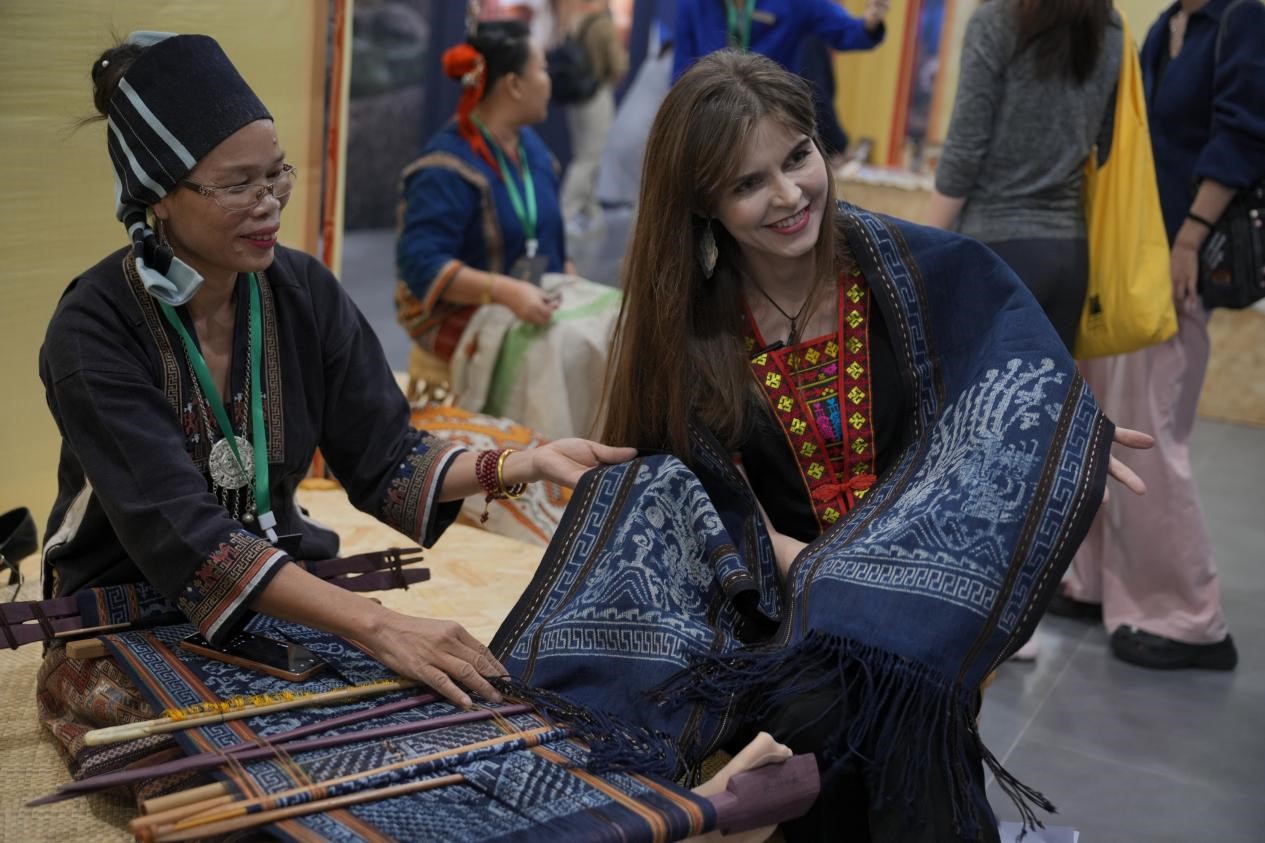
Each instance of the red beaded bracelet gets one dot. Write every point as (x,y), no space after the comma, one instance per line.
(489,468)
(485,472)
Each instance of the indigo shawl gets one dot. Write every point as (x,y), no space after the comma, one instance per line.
(660,576)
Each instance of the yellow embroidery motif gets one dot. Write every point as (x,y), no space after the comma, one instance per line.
(830,515)
(854,345)
(855,395)
(785,403)
(812,355)
(808,449)
(815,471)
(860,493)
(832,349)
(773,379)
(856,420)
(761,360)
(798,426)
(854,319)
(859,446)
(855,370)
(854,294)
(792,362)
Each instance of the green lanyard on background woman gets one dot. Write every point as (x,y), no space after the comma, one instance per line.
(738,14)
(222,472)
(525,210)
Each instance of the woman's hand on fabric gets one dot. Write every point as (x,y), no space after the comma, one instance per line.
(1124,475)
(440,653)
(528,302)
(564,460)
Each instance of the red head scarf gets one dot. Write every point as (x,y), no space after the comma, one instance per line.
(464,62)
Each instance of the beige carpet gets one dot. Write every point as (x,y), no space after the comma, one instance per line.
(1234,390)
(475,578)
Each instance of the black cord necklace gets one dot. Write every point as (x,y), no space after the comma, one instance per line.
(793,336)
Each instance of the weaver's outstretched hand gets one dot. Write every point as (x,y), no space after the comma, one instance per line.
(1137,440)
(564,460)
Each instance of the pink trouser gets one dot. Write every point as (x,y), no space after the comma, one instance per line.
(1148,559)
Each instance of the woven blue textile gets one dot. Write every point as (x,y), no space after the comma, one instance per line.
(509,793)
(660,577)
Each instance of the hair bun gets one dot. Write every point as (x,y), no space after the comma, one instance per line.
(463,62)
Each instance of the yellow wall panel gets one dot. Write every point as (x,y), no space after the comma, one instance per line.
(56,207)
(866,83)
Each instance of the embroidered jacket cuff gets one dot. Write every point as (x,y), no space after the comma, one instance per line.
(412,503)
(216,598)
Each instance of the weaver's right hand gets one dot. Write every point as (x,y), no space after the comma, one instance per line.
(440,653)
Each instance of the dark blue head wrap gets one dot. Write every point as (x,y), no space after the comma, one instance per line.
(176,102)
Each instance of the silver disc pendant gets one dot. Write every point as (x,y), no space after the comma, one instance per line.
(225,472)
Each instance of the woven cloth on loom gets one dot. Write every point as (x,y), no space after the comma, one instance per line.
(658,574)
(522,794)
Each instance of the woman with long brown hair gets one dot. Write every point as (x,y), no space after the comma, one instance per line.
(924,460)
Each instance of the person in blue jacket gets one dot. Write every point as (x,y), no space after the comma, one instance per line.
(775,28)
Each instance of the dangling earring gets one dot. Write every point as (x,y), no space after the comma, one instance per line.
(160,230)
(707,251)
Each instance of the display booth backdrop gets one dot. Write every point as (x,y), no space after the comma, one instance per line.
(57,201)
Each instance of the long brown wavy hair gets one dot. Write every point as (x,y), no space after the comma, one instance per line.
(1067,35)
(677,352)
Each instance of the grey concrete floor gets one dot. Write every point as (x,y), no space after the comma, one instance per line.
(1127,754)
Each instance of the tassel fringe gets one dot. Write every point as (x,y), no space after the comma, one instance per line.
(897,721)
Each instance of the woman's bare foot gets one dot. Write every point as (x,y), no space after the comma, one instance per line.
(762,750)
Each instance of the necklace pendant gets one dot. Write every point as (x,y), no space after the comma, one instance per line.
(225,470)
(248,518)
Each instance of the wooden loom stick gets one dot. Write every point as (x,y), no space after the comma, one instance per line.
(214,813)
(143,826)
(755,798)
(278,814)
(248,751)
(175,806)
(161,725)
(183,797)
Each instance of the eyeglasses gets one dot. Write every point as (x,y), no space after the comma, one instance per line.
(245,197)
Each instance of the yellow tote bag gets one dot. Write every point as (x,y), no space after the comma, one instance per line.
(1129,300)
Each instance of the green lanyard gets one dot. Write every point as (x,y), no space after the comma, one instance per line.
(526,211)
(263,497)
(738,22)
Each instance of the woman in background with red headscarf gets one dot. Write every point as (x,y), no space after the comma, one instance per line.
(480,224)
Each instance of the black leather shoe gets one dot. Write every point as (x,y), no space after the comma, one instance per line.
(1070,607)
(18,540)
(1145,649)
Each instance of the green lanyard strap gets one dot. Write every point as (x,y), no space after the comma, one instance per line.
(263,496)
(524,210)
(738,14)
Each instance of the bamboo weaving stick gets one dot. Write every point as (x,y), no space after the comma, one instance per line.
(216,813)
(161,725)
(182,797)
(278,814)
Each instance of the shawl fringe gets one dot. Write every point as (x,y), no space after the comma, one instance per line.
(614,744)
(893,716)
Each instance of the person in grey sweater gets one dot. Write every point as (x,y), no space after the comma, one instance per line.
(1035,94)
